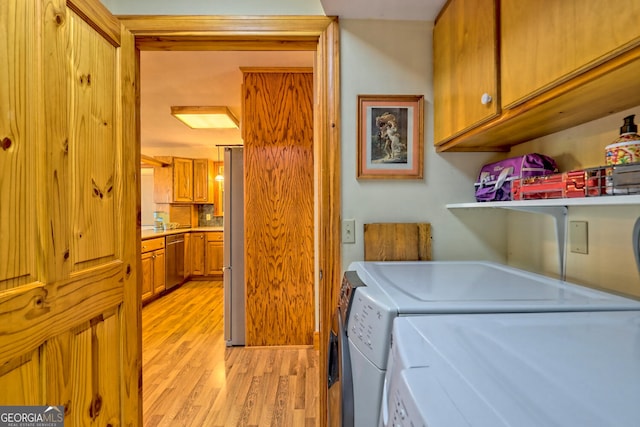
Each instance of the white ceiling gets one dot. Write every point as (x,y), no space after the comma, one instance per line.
(411,10)
(197,79)
(214,78)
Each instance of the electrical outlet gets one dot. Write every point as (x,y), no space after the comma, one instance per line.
(578,237)
(349,231)
(208,217)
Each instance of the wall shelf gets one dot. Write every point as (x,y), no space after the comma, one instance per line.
(557,208)
(542,203)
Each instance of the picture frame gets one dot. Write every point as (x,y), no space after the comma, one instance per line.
(390,137)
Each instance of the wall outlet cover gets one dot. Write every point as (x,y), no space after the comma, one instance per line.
(579,237)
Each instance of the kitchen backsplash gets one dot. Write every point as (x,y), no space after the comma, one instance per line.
(206,217)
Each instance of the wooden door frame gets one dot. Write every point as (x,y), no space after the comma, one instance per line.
(311,33)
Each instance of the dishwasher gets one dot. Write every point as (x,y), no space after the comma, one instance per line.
(174,260)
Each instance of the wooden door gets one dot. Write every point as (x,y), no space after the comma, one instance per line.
(200,180)
(159,274)
(465,66)
(279,237)
(182,180)
(69,168)
(198,248)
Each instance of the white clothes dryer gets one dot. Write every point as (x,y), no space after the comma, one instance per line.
(521,369)
(373,294)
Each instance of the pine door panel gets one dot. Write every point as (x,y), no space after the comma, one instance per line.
(68,205)
(17,136)
(278,164)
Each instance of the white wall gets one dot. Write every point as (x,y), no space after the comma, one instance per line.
(209,7)
(394,57)
(610,262)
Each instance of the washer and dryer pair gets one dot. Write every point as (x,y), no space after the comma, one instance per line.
(375,294)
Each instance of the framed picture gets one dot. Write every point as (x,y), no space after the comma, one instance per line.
(390,136)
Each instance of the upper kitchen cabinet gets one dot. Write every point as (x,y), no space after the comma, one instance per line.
(546,42)
(183,181)
(465,86)
(202,191)
(561,64)
(173,183)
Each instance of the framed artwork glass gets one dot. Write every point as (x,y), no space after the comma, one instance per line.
(390,136)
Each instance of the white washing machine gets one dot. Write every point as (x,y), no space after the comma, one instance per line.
(373,294)
(521,369)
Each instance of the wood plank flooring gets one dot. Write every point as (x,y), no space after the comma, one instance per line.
(190,377)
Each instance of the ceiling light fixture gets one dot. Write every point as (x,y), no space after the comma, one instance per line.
(206,117)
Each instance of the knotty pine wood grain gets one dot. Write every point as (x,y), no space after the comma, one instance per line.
(75,165)
(190,378)
(279,202)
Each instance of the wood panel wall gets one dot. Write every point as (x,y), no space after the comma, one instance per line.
(277,129)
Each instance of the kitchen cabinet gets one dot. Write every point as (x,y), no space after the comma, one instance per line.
(153,268)
(173,183)
(198,250)
(214,261)
(184,181)
(187,255)
(553,77)
(201,188)
(580,35)
(465,80)
(218,192)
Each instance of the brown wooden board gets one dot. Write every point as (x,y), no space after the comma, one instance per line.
(397,242)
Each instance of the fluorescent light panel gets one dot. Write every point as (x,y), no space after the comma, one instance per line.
(205,117)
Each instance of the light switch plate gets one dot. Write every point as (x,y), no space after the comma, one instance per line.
(349,231)
(578,237)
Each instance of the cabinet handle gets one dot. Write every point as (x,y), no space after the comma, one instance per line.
(202,237)
(486,99)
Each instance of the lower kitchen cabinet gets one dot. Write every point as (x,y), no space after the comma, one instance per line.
(187,255)
(198,250)
(214,253)
(153,268)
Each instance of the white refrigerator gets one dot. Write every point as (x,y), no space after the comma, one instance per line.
(233,270)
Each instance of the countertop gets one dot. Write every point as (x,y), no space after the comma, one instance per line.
(151,233)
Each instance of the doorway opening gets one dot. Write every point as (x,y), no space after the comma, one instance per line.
(320,35)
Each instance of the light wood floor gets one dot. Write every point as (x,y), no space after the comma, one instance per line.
(190,378)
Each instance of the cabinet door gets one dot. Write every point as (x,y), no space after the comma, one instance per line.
(214,258)
(198,246)
(200,180)
(546,42)
(218,192)
(147,275)
(158,272)
(187,255)
(182,180)
(465,67)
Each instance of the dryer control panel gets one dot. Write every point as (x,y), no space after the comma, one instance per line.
(369,325)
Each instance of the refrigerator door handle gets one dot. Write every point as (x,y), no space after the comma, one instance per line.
(226,267)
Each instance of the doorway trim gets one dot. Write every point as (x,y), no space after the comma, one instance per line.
(309,33)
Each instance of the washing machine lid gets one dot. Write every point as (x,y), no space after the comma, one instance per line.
(529,369)
(415,287)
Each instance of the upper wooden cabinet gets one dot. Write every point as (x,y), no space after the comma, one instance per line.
(561,64)
(184,181)
(546,42)
(218,189)
(201,181)
(465,80)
